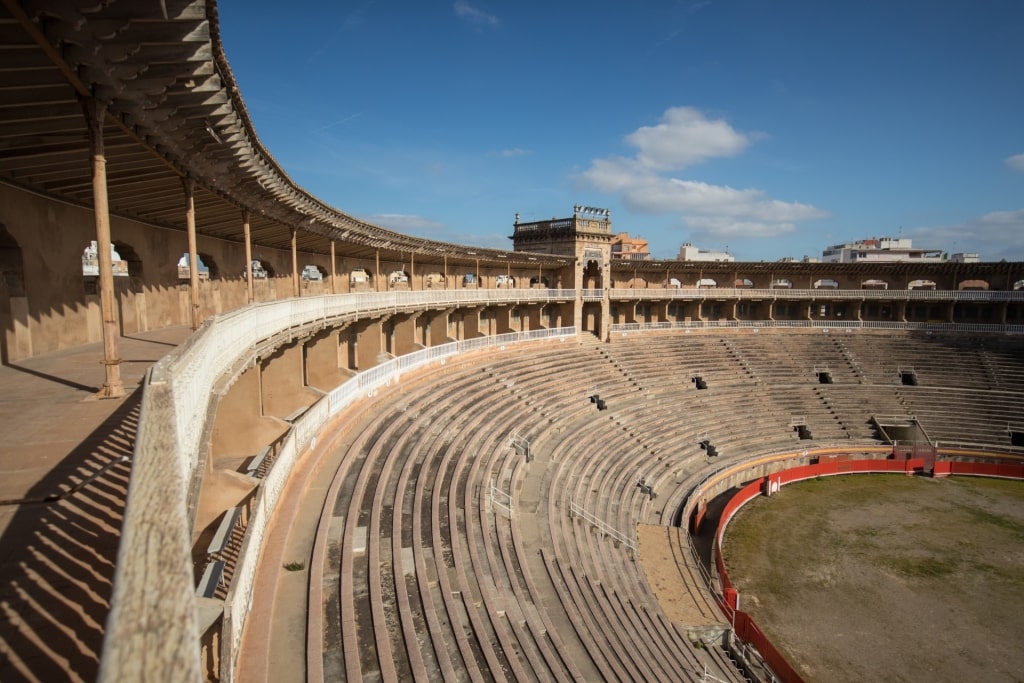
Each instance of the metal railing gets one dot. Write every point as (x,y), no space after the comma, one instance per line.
(602,526)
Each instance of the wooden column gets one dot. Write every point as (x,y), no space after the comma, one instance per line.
(113,387)
(193,256)
(250,294)
(295,262)
(376,277)
(334,270)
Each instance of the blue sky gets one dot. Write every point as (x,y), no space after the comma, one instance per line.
(771,128)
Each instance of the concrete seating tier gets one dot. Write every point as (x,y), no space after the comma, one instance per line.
(434,580)
(459,558)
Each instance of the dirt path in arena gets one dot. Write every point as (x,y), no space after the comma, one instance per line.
(885,577)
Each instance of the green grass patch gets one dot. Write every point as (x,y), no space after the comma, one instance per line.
(295,566)
(920,567)
(979,516)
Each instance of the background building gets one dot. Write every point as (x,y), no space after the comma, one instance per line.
(881,249)
(632,248)
(688,252)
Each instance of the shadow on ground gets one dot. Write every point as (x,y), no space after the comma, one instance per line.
(57,556)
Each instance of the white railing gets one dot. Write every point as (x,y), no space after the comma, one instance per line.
(602,526)
(625,328)
(730,293)
(501,500)
(153,583)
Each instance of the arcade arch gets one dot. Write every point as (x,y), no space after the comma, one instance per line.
(592,276)
(973,285)
(398,279)
(921,284)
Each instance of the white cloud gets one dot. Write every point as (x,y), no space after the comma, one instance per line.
(995,236)
(473,15)
(1016,162)
(514,152)
(685,137)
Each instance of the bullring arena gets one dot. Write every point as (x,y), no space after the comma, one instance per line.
(250,437)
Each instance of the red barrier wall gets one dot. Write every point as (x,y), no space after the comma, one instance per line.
(744,625)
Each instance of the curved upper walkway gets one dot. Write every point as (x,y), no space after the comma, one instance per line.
(64,466)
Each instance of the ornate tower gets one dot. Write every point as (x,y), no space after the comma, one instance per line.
(587,237)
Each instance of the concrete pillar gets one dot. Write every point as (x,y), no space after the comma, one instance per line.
(322,363)
(347,348)
(193,255)
(283,382)
(249,287)
(502,323)
(437,332)
(533,316)
(334,270)
(471,326)
(659,311)
(113,387)
(369,344)
(239,428)
(404,339)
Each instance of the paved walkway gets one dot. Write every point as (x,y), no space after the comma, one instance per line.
(64,467)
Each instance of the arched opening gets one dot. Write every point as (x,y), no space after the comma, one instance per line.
(261,270)
(434,280)
(592,275)
(973,285)
(360,280)
(212,270)
(91,262)
(826,283)
(874,283)
(706,282)
(504,282)
(470,280)
(185,268)
(743,283)
(1018,285)
(673,283)
(398,279)
(312,273)
(921,284)
(132,261)
(781,283)
(538,281)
